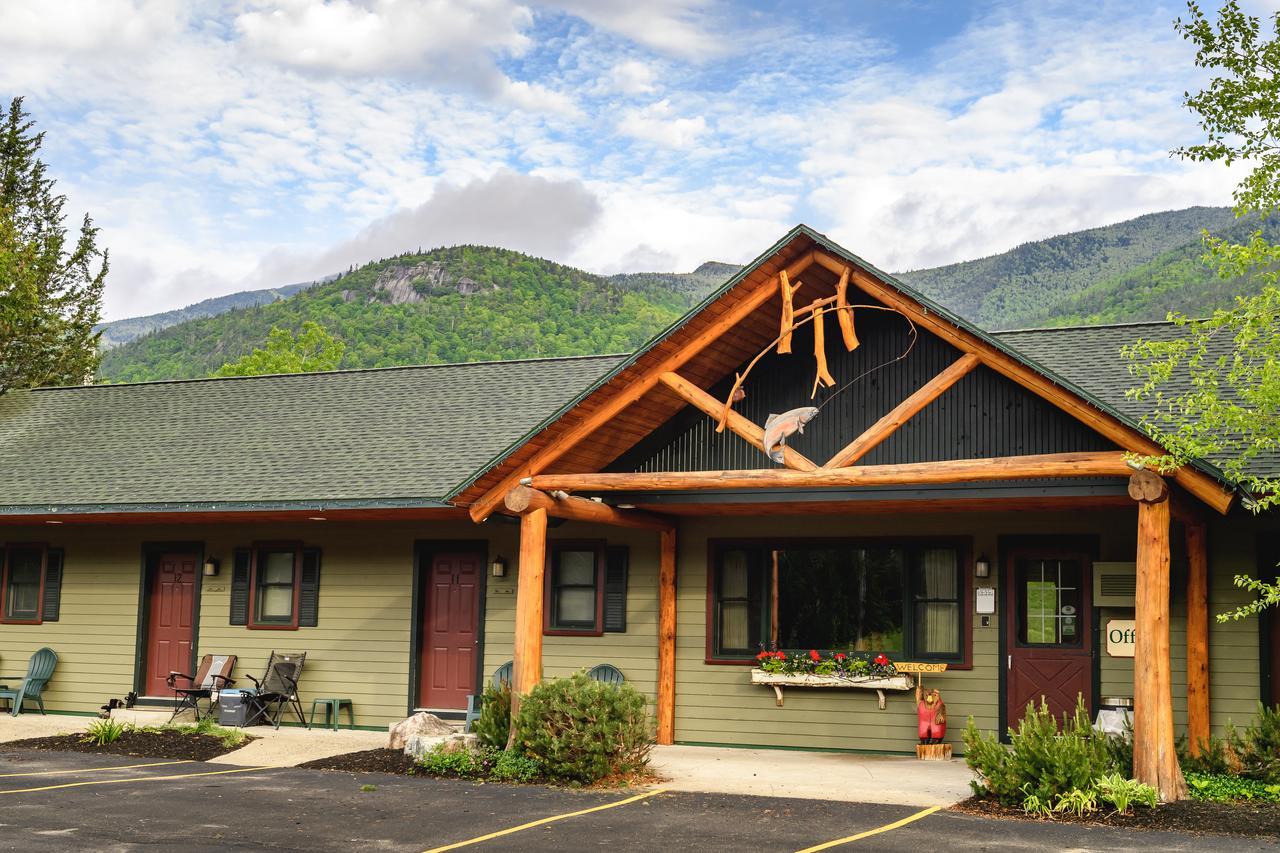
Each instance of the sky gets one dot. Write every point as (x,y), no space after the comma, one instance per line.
(223,146)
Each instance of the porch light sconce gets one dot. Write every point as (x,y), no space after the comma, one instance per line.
(499,567)
(982,567)
(211,567)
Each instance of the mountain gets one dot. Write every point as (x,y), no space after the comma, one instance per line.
(468,303)
(120,332)
(463,303)
(1139,269)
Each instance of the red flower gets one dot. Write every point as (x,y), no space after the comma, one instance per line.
(763,655)
(839,655)
(881,660)
(814,656)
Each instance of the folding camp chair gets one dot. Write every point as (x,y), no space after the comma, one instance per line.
(39,671)
(277,690)
(213,675)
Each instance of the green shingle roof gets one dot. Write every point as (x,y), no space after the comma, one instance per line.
(363,437)
(1089,356)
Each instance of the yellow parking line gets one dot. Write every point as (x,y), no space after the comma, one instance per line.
(871,832)
(544,820)
(90,769)
(139,779)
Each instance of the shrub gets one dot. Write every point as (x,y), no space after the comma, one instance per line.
(511,766)
(1122,793)
(494,724)
(1040,762)
(452,762)
(103,732)
(1217,756)
(1259,746)
(1224,789)
(579,730)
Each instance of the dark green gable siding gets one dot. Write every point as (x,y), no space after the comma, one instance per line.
(983,415)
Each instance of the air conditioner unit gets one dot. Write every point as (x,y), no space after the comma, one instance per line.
(1115,584)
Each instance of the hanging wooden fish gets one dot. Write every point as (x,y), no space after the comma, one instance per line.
(778,427)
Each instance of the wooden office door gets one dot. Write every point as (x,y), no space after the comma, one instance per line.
(171,615)
(451,610)
(1050,634)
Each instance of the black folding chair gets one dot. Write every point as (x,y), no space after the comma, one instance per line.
(277,690)
(213,675)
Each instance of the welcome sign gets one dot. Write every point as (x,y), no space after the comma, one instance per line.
(1121,637)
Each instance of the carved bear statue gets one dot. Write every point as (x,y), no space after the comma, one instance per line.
(931,712)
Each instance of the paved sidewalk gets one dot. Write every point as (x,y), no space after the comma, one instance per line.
(882,779)
(40,725)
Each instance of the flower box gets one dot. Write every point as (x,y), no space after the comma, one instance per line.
(877,683)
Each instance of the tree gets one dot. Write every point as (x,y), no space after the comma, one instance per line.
(50,295)
(312,350)
(1215,389)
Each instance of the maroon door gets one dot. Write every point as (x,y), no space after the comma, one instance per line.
(171,606)
(451,604)
(1050,633)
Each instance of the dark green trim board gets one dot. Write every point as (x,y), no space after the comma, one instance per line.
(423,550)
(837,750)
(150,551)
(1268,555)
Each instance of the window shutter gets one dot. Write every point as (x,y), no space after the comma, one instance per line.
(52,602)
(615,588)
(240,589)
(309,595)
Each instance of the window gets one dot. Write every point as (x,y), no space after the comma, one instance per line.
(32,584)
(273,594)
(903,600)
(1049,598)
(574,589)
(276,586)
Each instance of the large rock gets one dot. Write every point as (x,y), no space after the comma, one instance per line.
(421,723)
(419,745)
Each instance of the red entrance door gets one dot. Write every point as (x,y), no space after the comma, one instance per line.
(171,608)
(1050,633)
(451,604)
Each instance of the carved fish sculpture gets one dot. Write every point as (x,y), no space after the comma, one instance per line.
(778,427)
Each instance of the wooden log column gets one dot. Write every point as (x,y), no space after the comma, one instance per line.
(667,638)
(1197,636)
(527,661)
(1155,760)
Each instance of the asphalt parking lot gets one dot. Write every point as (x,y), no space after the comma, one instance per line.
(67,801)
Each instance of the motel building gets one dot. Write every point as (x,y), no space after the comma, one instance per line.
(960,497)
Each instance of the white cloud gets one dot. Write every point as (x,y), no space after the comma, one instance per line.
(633,77)
(683,28)
(529,214)
(659,123)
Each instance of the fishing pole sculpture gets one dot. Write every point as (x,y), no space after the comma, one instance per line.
(778,428)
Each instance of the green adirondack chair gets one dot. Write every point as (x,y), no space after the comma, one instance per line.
(606,673)
(39,670)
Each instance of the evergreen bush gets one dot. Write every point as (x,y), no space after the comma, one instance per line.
(579,730)
(494,724)
(1040,763)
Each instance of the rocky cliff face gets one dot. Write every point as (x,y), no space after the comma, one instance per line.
(399,285)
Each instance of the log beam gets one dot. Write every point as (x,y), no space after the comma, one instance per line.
(741,426)
(1082,464)
(903,412)
(526,663)
(569,437)
(667,638)
(1155,760)
(523,499)
(1203,486)
(1197,636)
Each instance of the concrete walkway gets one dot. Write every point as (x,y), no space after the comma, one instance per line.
(812,775)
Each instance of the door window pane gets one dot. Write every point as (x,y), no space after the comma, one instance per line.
(1049,601)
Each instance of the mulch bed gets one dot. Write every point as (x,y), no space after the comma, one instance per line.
(368,761)
(1254,820)
(142,744)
